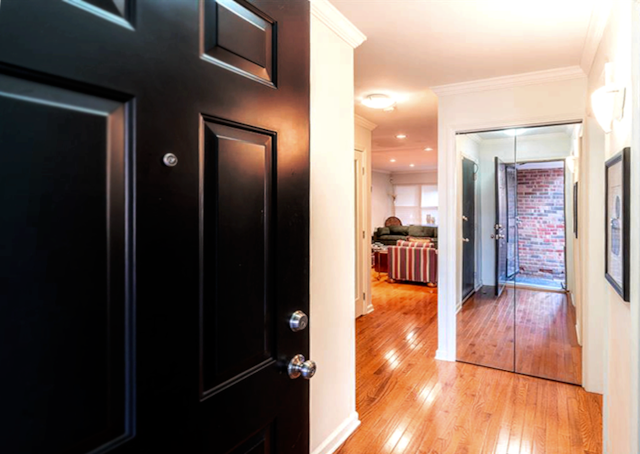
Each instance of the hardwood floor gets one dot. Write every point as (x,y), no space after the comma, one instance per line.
(410,403)
(542,342)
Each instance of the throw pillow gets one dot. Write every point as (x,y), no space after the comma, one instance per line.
(384,231)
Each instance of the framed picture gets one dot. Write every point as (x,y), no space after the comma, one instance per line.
(575,209)
(617,213)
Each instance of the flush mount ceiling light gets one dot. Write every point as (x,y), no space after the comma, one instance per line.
(401,136)
(378,101)
(607,102)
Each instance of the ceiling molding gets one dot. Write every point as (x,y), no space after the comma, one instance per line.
(597,25)
(361,121)
(336,21)
(516,80)
(424,169)
(386,172)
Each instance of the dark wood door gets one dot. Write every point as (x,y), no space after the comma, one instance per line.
(468,226)
(500,228)
(144,297)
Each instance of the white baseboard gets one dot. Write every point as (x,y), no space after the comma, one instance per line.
(578,331)
(369,309)
(339,436)
(444,356)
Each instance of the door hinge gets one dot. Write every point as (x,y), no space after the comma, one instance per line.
(363,171)
(364,296)
(363,232)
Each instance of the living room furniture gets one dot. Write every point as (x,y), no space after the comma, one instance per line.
(390,235)
(392,220)
(413,261)
(381,261)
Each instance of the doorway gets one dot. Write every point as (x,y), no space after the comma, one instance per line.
(520,316)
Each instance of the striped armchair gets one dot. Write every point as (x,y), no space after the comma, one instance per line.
(416,262)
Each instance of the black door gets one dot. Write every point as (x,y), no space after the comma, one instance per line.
(154,175)
(468,226)
(500,233)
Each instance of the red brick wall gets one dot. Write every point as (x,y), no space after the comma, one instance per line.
(541,238)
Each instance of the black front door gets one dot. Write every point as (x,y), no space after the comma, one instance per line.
(154,176)
(500,228)
(468,226)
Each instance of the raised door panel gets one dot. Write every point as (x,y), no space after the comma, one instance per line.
(236,246)
(65,318)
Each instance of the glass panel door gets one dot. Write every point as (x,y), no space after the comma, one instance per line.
(486,316)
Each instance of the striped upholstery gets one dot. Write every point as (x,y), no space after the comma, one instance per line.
(417,264)
(402,243)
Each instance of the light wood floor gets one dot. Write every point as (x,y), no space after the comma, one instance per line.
(542,342)
(410,403)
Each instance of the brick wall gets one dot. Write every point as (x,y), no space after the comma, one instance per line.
(541,238)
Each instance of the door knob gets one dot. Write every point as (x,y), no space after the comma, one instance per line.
(298,321)
(465,240)
(464,218)
(298,366)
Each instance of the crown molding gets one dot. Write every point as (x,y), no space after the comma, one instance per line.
(423,169)
(336,21)
(361,121)
(515,80)
(597,25)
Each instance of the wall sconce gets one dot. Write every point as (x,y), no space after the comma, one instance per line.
(607,102)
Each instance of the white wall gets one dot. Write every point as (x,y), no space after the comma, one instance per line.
(333,400)
(381,198)
(464,110)
(529,148)
(617,322)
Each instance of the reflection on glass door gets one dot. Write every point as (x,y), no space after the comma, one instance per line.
(520,315)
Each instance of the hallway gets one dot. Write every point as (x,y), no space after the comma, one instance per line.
(410,403)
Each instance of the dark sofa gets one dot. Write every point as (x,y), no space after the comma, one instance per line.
(390,235)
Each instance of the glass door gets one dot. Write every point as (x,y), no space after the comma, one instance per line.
(486,315)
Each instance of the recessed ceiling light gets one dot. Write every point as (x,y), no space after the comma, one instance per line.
(401,136)
(392,160)
(378,101)
(428,149)
(411,165)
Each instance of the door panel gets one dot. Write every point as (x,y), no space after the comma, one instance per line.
(500,235)
(156,316)
(236,203)
(64,165)
(512,216)
(468,227)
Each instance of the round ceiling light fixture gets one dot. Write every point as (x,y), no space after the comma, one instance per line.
(392,160)
(428,149)
(378,101)
(401,136)
(411,165)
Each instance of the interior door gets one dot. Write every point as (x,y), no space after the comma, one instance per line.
(468,227)
(154,176)
(499,235)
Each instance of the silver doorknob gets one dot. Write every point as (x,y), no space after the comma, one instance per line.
(464,218)
(465,240)
(298,321)
(298,366)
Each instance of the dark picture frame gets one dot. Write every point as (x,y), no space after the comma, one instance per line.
(575,209)
(617,222)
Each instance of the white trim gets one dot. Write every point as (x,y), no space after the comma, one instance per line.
(339,436)
(597,25)
(386,172)
(336,21)
(361,121)
(578,331)
(515,80)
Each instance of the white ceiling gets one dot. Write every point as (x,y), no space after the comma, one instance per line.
(416,44)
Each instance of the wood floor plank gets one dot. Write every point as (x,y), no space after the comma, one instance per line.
(410,403)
